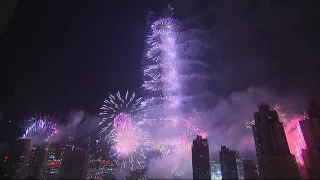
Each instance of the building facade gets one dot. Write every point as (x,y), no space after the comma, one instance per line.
(310,128)
(273,155)
(228,163)
(201,159)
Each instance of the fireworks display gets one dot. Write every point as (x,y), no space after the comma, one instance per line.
(167,73)
(160,122)
(161,65)
(39,129)
(128,141)
(114,105)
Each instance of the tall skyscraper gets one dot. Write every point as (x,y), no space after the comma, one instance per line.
(228,163)
(310,128)
(74,164)
(201,159)
(249,169)
(274,158)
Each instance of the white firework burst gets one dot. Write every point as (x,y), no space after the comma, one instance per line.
(114,105)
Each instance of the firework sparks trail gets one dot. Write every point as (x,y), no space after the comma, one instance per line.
(183,142)
(39,129)
(128,142)
(114,105)
(249,124)
(162,66)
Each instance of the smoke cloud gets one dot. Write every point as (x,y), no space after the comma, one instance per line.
(225,124)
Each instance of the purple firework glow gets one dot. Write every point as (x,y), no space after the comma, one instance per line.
(128,142)
(39,129)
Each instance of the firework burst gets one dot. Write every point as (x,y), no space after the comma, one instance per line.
(114,105)
(39,129)
(128,142)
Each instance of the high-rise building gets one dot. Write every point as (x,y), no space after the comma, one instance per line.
(74,164)
(274,158)
(310,129)
(36,162)
(249,169)
(201,159)
(228,163)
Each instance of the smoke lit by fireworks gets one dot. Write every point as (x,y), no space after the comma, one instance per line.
(39,129)
(128,141)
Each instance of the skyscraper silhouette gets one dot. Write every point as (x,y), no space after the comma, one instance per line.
(201,159)
(310,128)
(228,163)
(274,158)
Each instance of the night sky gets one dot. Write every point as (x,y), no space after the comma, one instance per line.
(62,55)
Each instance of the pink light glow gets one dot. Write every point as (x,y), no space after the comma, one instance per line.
(293,133)
(191,124)
(203,135)
(126,137)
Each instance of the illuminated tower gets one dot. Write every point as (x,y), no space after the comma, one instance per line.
(201,159)
(274,158)
(311,132)
(228,163)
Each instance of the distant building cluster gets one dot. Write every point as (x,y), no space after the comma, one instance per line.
(273,156)
(22,160)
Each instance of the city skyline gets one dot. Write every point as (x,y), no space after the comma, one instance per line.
(139,88)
